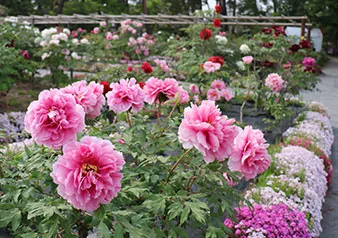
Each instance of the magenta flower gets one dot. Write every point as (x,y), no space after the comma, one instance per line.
(88,173)
(247,59)
(90,96)
(211,67)
(274,82)
(249,155)
(309,62)
(218,84)
(204,128)
(125,95)
(54,119)
(157,90)
(213,94)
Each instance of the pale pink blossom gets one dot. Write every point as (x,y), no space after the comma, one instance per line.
(274,82)
(227,94)
(138,51)
(125,95)
(88,173)
(96,30)
(103,24)
(162,64)
(146,52)
(115,37)
(287,65)
(211,67)
(90,96)
(204,128)
(54,119)
(213,94)
(247,59)
(197,99)
(249,156)
(194,89)
(218,84)
(157,90)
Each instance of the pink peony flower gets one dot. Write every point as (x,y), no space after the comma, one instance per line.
(54,119)
(227,94)
(213,94)
(96,30)
(309,62)
(204,128)
(125,95)
(218,84)
(90,96)
(211,67)
(194,89)
(247,59)
(249,156)
(157,90)
(88,173)
(274,82)
(287,65)
(115,37)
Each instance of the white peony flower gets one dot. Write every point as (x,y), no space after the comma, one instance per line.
(244,49)
(84,41)
(240,65)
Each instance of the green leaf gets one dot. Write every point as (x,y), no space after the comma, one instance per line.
(53,230)
(184,215)
(119,231)
(103,230)
(16,220)
(155,204)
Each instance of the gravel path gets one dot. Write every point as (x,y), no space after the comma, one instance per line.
(328,95)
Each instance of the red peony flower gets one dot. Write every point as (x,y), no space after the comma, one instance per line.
(217,59)
(106,87)
(130,68)
(305,44)
(25,54)
(267,44)
(205,34)
(146,67)
(266,30)
(217,22)
(218,8)
(295,48)
(267,64)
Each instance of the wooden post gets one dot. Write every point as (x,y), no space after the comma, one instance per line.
(309,33)
(302,33)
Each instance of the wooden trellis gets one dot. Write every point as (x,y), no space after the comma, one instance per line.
(161,19)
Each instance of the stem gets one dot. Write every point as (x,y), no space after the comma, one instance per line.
(193,178)
(172,111)
(83,231)
(179,160)
(129,119)
(241,112)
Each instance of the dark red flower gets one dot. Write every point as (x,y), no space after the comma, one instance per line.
(106,87)
(295,48)
(146,67)
(278,30)
(141,84)
(218,8)
(217,59)
(129,69)
(25,54)
(266,30)
(11,44)
(267,44)
(217,22)
(267,64)
(305,44)
(205,34)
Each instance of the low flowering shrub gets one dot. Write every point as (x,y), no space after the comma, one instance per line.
(269,221)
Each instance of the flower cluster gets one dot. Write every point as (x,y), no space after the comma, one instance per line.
(211,67)
(130,26)
(218,90)
(268,221)
(141,44)
(162,64)
(11,124)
